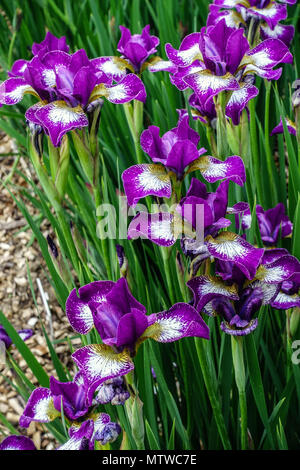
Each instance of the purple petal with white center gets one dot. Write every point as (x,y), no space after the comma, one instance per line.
(283,301)
(105,430)
(205,84)
(160,228)
(80,437)
(17,443)
(58,119)
(278,271)
(271,14)
(239,100)
(270,53)
(25,334)
(99,362)
(205,288)
(128,89)
(111,66)
(273,254)
(269,291)
(177,78)
(77,309)
(39,408)
(30,113)
(18,68)
(13,90)
(180,321)
(144,180)
(213,170)
(188,52)
(228,246)
(281,31)
(291,127)
(160,65)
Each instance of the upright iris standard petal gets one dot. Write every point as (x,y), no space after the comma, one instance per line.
(58,119)
(137,48)
(17,443)
(71,397)
(144,180)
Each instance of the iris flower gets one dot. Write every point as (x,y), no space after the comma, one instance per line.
(265,13)
(67,86)
(122,324)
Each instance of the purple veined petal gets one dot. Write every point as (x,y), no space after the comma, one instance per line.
(17,443)
(291,127)
(50,43)
(181,155)
(39,408)
(99,362)
(279,270)
(269,291)
(240,331)
(58,118)
(206,288)
(239,100)
(79,314)
(273,254)
(77,307)
(159,65)
(180,321)
(188,52)
(25,334)
(30,113)
(206,85)
(128,89)
(269,53)
(161,228)
(144,180)
(113,67)
(13,90)
(18,68)
(213,170)
(177,78)
(281,31)
(80,436)
(271,14)
(283,301)
(269,74)
(229,246)
(105,430)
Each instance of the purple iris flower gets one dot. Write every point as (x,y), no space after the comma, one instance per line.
(44,405)
(219,59)
(264,13)
(122,324)
(67,85)
(237,301)
(279,129)
(24,334)
(174,154)
(136,48)
(113,391)
(17,443)
(272,223)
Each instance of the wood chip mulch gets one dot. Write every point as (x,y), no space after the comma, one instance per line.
(18,249)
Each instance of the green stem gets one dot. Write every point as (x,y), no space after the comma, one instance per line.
(166,254)
(215,404)
(104,241)
(254,150)
(240,379)
(267,142)
(134,119)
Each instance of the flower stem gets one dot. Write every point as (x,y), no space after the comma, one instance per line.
(215,404)
(267,142)
(240,379)
(134,118)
